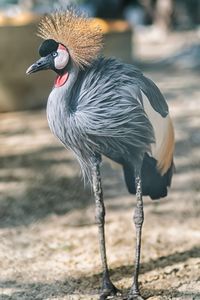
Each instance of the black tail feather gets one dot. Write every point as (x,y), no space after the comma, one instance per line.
(153,183)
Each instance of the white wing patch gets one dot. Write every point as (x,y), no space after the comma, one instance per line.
(163,148)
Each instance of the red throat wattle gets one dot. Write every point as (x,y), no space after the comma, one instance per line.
(61,79)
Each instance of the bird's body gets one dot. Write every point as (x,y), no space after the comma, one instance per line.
(100,106)
(104,109)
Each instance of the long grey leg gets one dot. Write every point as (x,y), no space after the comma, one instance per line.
(108,288)
(138,220)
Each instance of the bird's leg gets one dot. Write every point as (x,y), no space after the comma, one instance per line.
(134,293)
(108,288)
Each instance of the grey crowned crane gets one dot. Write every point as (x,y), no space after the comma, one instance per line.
(101,106)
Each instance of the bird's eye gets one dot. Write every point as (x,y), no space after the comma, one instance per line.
(54,54)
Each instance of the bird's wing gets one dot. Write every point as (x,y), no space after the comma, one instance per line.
(109,111)
(121,114)
(154,95)
(157,111)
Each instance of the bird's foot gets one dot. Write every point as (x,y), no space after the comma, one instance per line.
(108,290)
(134,294)
(134,297)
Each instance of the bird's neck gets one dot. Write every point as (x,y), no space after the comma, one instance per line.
(69,78)
(61,93)
(58,106)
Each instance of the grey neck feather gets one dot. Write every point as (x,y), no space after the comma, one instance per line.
(63,92)
(58,103)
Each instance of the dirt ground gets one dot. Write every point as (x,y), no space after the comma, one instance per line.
(49,245)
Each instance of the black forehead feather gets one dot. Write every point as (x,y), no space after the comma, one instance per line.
(47,47)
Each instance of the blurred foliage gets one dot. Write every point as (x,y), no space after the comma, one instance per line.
(181,14)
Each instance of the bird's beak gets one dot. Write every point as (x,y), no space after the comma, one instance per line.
(42,64)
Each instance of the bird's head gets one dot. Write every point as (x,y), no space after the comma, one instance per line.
(68,37)
(54,56)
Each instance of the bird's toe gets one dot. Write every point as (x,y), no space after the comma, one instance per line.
(134,297)
(109,290)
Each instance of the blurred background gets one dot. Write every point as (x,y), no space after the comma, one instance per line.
(135,31)
(49,246)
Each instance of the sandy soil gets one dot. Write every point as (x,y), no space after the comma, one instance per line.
(49,245)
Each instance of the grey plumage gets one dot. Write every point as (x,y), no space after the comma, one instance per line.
(103,113)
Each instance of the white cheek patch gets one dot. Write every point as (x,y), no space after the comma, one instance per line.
(62,59)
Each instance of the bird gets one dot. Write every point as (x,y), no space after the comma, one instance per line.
(101,106)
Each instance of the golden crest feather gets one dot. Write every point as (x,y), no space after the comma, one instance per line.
(78,33)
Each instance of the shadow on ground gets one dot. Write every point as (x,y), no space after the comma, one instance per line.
(42,189)
(70,286)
